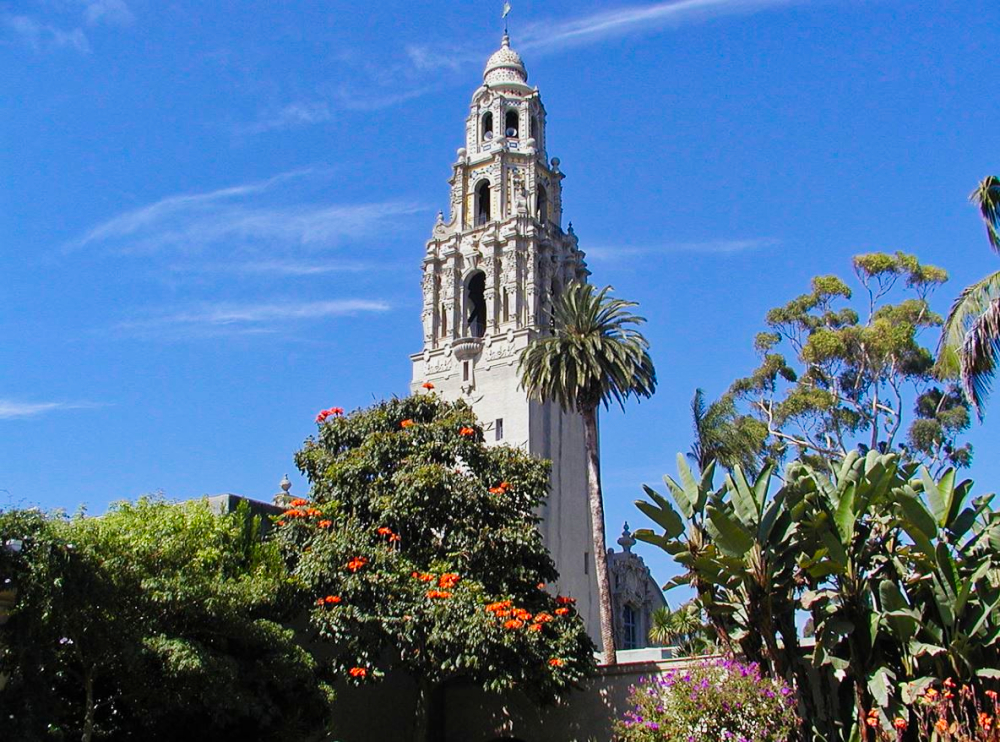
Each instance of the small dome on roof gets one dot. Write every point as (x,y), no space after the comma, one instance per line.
(505,66)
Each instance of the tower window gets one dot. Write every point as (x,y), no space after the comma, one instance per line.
(487,126)
(630,633)
(483,206)
(534,128)
(465,371)
(475,304)
(498,427)
(506,306)
(511,123)
(542,202)
(444,322)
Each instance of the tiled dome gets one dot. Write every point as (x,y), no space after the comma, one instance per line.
(505,66)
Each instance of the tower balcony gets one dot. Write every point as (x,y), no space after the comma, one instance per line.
(467,348)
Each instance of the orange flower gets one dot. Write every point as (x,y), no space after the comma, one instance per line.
(332,599)
(448,580)
(299,502)
(281,523)
(941,725)
(425,577)
(522,614)
(872,719)
(949,683)
(540,585)
(496,491)
(563,600)
(535,627)
(900,723)
(466,431)
(443,594)
(427,385)
(320,601)
(991,694)
(313,512)
(407,424)
(337,410)
(325,523)
(358,672)
(930,694)
(564,611)
(556,662)
(513,623)
(499,608)
(984,720)
(543,617)
(357,563)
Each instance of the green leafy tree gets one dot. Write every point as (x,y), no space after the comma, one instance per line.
(857,377)
(594,354)
(420,551)
(155,621)
(682,628)
(970,339)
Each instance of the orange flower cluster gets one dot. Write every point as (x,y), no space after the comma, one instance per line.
(499,609)
(357,563)
(564,611)
(407,423)
(329,600)
(443,594)
(383,531)
(422,576)
(563,600)
(985,721)
(324,414)
(300,512)
(299,502)
(466,431)
(556,662)
(448,580)
(513,623)
(518,618)
(900,723)
(992,695)
(941,725)
(427,385)
(500,489)
(325,523)
(358,672)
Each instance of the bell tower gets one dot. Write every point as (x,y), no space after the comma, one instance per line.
(489,276)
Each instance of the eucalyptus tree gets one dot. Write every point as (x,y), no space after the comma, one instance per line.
(594,354)
(970,339)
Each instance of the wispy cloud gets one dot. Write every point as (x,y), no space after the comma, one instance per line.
(14,410)
(292,116)
(213,319)
(42,36)
(637,19)
(61,27)
(241,220)
(282,267)
(709,247)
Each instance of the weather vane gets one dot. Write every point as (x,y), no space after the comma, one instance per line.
(506,12)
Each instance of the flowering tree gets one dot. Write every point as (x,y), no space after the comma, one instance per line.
(420,550)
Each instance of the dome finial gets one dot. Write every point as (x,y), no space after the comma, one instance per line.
(505,66)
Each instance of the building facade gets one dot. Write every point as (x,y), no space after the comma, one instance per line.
(490,273)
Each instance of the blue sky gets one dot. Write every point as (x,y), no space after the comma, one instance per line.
(213,214)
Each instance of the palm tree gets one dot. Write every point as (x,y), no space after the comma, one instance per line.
(592,355)
(682,629)
(970,339)
(722,434)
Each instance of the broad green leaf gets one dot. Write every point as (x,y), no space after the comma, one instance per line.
(730,535)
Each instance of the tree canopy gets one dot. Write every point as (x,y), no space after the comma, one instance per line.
(420,552)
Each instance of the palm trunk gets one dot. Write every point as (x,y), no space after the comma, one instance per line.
(596,502)
(88,720)
(421,714)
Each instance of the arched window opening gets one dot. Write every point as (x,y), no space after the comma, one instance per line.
(542,203)
(483,203)
(511,123)
(506,305)
(475,304)
(534,128)
(630,633)
(487,126)
(444,322)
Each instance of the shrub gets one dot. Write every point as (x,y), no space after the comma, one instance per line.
(713,701)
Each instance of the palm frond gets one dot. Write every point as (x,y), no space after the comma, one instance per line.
(981,355)
(594,354)
(963,351)
(987,198)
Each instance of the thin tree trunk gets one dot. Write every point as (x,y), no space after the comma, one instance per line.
(597,523)
(88,719)
(421,714)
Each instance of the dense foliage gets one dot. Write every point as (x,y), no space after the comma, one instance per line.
(898,571)
(155,622)
(420,550)
(858,376)
(714,700)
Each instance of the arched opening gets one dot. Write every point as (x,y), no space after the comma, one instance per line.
(444,322)
(506,305)
(630,628)
(475,304)
(511,123)
(487,126)
(542,205)
(534,128)
(483,203)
